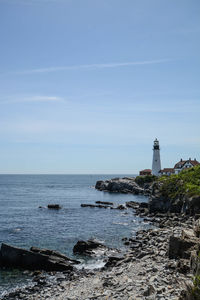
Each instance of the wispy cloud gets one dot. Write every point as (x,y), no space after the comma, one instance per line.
(27,99)
(93,66)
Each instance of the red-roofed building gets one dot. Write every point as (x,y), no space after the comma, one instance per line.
(145,172)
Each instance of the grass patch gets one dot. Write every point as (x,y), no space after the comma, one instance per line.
(187,182)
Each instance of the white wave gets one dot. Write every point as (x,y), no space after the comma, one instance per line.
(91,265)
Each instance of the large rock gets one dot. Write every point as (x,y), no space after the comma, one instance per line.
(181,246)
(132,204)
(121,207)
(158,205)
(86,247)
(113,260)
(104,202)
(119,185)
(54,206)
(54,253)
(35,259)
(161,201)
(194,205)
(94,205)
(99,184)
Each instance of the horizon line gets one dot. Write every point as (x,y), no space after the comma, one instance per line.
(67,174)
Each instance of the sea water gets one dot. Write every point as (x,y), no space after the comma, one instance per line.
(24,224)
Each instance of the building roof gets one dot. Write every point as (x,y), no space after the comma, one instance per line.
(167,170)
(146,170)
(181,163)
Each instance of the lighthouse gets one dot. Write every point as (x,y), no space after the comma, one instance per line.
(156,164)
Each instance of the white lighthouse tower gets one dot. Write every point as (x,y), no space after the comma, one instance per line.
(156,164)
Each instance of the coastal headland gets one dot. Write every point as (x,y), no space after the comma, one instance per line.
(161,262)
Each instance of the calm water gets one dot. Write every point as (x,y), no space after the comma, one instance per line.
(23,224)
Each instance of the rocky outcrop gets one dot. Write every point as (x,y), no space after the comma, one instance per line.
(182,246)
(161,201)
(87,247)
(104,202)
(193,205)
(120,185)
(54,253)
(113,260)
(120,207)
(54,206)
(34,259)
(132,204)
(94,205)
(171,194)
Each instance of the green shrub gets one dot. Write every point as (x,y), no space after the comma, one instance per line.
(187,182)
(196,288)
(141,180)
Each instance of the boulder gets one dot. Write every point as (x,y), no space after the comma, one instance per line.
(188,234)
(181,247)
(121,207)
(86,247)
(94,205)
(101,185)
(183,266)
(49,252)
(104,202)
(113,260)
(194,205)
(54,206)
(15,257)
(132,204)
(143,205)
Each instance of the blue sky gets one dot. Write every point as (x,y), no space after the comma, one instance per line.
(87,85)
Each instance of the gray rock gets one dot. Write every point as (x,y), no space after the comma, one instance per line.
(15,257)
(181,247)
(149,291)
(120,185)
(86,247)
(54,206)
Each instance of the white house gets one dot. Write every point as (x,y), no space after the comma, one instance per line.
(167,171)
(185,164)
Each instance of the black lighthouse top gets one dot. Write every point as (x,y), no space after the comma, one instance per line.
(156,145)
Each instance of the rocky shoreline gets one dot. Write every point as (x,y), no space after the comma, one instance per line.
(159,262)
(145,271)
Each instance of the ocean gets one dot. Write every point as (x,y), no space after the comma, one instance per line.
(24,224)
